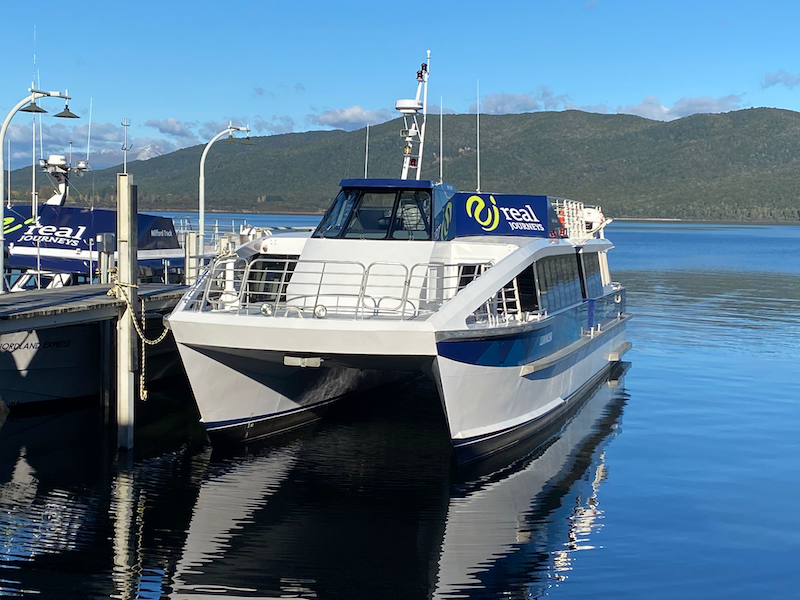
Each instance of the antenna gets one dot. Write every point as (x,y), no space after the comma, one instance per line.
(441,139)
(478,114)
(9,173)
(366,154)
(34,197)
(41,135)
(89,140)
(125,124)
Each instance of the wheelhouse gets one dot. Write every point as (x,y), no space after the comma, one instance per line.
(385,209)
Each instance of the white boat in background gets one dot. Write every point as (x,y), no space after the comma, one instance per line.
(505,300)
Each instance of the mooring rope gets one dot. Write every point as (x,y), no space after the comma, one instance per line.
(117,286)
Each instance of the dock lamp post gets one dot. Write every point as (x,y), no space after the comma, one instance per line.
(202,184)
(30,108)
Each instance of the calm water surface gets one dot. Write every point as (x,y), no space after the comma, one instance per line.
(680,480)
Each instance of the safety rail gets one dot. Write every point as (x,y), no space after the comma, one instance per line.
(580,221)
(290,287)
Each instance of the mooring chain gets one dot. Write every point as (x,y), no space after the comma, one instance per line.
(119,286)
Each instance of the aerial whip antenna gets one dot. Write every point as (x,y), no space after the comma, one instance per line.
(366,153)
(89,140)
(441,139)
(478,143)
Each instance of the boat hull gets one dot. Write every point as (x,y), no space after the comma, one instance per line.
(490,408)
(55,367)
(49,365)
(246,394)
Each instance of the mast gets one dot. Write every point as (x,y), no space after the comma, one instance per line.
(478,134)
(414,130)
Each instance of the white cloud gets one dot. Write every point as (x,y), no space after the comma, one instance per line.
(351,118)
(178,130)
(282,124)
(780,78)
(601,108)
(503,103)
(211,128)
(651,107)
(433,109)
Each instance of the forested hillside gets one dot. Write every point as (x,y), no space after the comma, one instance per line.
(743,165)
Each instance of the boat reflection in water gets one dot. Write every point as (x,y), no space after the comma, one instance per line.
(379,515)
(370,504)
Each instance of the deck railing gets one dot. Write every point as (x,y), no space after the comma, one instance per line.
(288,287)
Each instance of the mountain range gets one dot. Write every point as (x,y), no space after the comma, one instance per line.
(741,165)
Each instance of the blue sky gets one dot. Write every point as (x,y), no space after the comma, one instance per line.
(180,71)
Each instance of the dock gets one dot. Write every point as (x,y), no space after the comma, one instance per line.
(72,305)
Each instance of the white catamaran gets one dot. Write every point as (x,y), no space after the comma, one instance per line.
(505,300)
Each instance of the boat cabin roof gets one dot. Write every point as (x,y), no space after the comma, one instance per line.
(410,209)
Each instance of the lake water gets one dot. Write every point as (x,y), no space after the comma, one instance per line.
(679,480)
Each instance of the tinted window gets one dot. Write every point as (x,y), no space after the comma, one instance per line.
(372,217)
(594,281)
(559,281)
(336,218)
(413,217)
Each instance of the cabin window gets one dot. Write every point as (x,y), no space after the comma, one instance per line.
(594,280)
(378,214)
(413,217)
(336,217)
(526,284)
(559,281)
(372,216)
(267,280)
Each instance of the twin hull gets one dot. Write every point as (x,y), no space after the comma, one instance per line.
(490,398)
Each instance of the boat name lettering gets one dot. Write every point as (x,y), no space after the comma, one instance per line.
(522,218)
(13,346)
(160,233)
(546,339)
(53,235)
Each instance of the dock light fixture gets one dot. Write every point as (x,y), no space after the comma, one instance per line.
(202,187)
(67,113)
(31,107)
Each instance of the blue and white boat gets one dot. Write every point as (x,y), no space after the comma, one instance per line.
(505,300)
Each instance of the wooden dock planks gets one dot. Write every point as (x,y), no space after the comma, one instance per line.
(35,309)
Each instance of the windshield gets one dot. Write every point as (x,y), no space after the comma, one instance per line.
(378,214)
(331,225)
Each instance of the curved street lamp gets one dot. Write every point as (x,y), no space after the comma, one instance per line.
(32,107)
(202,183)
